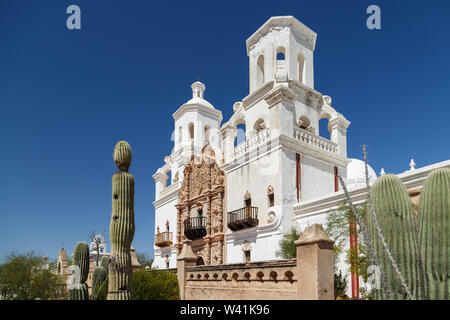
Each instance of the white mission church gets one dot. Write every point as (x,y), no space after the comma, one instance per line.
(234,202)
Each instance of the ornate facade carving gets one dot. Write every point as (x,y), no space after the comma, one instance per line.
(203,188)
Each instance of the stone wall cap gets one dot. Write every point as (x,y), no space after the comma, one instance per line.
(186,253)
(313,234)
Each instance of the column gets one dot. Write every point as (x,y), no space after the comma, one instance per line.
(315,265)
(338,133)
(185,259)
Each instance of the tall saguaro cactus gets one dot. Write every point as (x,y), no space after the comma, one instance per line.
(121,228)
(81,259)
(395,216)
(434,229)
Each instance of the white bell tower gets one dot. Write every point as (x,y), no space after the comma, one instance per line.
(196,121)
(281,49)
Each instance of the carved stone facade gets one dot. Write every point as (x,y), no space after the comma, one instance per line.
(203,190)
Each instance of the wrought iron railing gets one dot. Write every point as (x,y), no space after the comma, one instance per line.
(195,228)
(246,217)
(163,239)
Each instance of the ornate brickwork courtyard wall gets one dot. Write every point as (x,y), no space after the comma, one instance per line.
(308,277)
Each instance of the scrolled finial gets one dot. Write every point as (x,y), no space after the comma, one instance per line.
(327,100)
(122,155)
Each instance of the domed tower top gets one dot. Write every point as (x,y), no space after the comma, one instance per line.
(197,89)
(196,120)
(281,49)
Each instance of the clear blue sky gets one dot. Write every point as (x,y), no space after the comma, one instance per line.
(66,97)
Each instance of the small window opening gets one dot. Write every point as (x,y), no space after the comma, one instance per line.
(271,200)
(248,208)
(247,256)
(191,131)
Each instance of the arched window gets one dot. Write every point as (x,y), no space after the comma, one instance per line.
(323,128)
(207,134)
(301,69)
(191,131)
(180,135)
(200,261)
(169,179)
(281,53)
(260,71)
(240,133)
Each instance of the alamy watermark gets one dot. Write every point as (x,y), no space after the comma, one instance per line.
(73,21)
(374,20)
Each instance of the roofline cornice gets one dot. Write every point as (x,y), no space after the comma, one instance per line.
(291,22)
(197,107)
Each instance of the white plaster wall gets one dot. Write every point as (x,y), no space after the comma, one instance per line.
(295,48)
(254,177)
(159,261)
(317,178)
(289,189)
(264,240)
(262,248)
(165,212)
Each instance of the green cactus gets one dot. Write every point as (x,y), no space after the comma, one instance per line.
(104,263)
(99,276)
(434,229)
(81,259)
(122,225)
(395,216)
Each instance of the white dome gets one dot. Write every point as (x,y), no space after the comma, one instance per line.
(356,174)
(198,90)
(197,100)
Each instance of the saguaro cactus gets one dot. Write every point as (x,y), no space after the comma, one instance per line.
(81,259)
(104,263)
(396,219)
(99,276)
(434,229)
(122,225)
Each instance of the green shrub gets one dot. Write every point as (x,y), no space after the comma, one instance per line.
(288,249)
(154,285)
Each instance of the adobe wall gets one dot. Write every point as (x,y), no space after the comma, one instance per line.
(270,280)
(308,277)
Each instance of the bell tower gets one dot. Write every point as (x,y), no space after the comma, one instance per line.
(281,49)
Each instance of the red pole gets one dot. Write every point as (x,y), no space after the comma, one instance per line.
(298,170)
(354,250)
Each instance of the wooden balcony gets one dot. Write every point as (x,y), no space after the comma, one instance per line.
(163,239)
(195,228)
(246,217)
